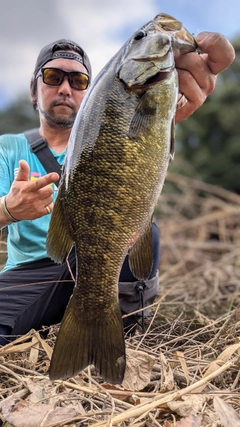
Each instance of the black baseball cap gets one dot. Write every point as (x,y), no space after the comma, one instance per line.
(60,49)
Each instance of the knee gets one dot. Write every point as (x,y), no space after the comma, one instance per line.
(5,332)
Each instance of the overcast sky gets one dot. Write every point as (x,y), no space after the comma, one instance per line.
(99,26)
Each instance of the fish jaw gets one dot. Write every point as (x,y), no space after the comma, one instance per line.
(146,58)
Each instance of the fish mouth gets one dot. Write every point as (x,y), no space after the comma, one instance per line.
(139,88)
(159,77)
(152,81)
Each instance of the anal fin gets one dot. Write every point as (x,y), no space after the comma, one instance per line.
(141,255)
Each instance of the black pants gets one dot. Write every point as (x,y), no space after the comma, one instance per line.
(37,293)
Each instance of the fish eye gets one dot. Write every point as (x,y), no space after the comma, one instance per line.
(139,35)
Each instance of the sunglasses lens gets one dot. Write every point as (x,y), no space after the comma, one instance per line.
(78,80)
(52,76)
(55,76)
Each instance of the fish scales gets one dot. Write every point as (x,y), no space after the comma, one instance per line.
(116,163)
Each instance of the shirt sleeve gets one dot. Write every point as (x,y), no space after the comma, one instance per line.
(6,177)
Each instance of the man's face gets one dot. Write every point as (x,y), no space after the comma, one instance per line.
(58,105)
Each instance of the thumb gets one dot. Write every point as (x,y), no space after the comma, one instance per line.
(23,172)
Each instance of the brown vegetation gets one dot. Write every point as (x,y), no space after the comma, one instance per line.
(184,371)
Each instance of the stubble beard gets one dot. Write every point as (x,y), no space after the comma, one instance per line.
(56,120)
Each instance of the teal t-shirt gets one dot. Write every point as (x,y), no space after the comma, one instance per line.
(26,239)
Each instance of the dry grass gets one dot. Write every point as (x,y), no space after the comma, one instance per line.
(189,368)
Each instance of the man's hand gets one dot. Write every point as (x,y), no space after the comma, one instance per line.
(30,199)
(198,73)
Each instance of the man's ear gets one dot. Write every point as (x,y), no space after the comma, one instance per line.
(34,99)
(33,93)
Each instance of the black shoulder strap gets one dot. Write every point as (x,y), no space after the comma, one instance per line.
(39,146)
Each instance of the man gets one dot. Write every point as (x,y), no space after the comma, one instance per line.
(34,291)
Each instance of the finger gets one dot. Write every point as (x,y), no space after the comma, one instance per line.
(45,194)
(23,175)
(48,208)
(185,111)
(23,172)
(194,94)
(219,51)
(44,181)
(198,70)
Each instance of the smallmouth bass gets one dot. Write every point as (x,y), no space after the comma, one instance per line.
(117,159)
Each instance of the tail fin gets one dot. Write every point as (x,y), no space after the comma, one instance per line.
(81,342)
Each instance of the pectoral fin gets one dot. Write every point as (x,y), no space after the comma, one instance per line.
(143,117)
(141,255)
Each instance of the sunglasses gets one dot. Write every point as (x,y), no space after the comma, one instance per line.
(55,77)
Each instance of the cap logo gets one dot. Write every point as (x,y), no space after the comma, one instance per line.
(67,55)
